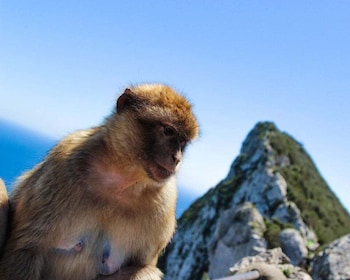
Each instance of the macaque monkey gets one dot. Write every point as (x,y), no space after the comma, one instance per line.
(102,203)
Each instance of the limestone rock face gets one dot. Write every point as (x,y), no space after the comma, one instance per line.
(333,263)
(273,196)
(239,233)
(293,245)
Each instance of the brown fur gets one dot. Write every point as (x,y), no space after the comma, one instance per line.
(104,193)
(4,205)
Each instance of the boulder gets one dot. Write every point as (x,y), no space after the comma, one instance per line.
(333,263)
(293,245)
(239,233)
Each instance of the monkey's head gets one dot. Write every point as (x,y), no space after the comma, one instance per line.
(165,125)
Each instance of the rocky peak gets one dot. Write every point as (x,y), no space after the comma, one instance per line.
(273,196)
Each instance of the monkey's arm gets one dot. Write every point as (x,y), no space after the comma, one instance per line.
(21,264)
(22,257)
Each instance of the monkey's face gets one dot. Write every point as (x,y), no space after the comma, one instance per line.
(165,124)
(162,149)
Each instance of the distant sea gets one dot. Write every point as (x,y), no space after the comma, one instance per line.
(21,149)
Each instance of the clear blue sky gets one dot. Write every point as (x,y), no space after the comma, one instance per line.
(63,63)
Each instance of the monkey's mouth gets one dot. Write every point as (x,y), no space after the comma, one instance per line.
(159,173)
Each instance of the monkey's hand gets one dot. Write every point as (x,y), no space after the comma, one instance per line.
(146,272)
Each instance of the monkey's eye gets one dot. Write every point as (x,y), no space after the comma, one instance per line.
(182,142)
(169,131)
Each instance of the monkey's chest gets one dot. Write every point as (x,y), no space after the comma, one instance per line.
(103,253)
(106,251)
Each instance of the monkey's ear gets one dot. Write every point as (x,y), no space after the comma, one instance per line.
(128,100)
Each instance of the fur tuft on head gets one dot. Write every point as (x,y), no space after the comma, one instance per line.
(158,101)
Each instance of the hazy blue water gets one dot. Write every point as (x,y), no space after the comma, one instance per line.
(21,149)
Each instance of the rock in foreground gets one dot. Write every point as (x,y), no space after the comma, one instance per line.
(272,264)
(333,263)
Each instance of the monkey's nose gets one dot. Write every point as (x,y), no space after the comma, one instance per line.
(177,158)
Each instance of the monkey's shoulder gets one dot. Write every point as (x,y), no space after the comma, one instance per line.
(78,140)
